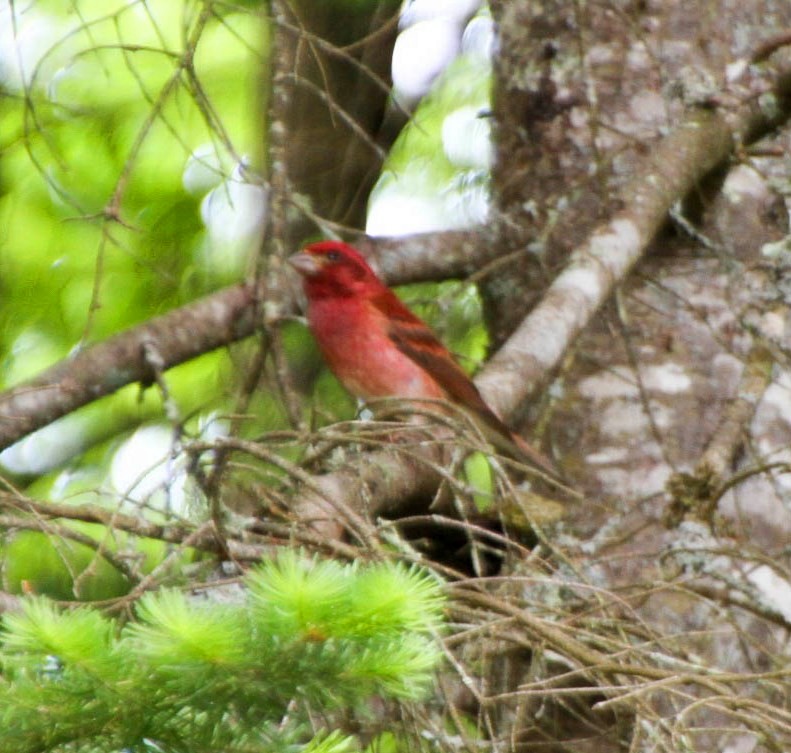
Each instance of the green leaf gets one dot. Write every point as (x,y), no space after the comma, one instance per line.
(80,638)
(173,633)
(295,596)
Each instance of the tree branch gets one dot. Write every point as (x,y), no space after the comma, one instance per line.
(676,164)
(214,321)
(103,368)
(673,168)
(248,541)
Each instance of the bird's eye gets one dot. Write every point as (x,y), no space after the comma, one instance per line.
(333,256)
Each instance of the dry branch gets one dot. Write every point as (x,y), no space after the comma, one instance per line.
(673,168)
(247,540)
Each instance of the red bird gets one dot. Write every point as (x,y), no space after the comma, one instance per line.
(377,347)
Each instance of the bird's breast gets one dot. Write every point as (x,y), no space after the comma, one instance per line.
(354,341)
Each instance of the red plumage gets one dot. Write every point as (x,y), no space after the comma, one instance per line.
(376,346)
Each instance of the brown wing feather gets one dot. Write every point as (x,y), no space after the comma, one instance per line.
(414,339)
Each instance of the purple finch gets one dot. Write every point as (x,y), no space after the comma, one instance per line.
(378,348)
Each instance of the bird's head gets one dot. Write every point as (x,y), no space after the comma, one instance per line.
(333,268)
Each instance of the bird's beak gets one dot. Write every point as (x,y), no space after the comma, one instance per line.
(306,264)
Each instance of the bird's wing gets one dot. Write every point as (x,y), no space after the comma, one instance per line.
(414,339)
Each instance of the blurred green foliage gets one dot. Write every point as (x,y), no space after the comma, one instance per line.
(103,106)
(98,231)
(263,671)
(123,126)
(435,169)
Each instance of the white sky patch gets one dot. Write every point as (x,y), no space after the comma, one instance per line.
(235,210)
(149,469)
(23,48)
(144,470)
(393,213)
(203,170)
(479,38)
(414,199)
(47,448)
(234,214)
(420,54)
(467,139)
(415,11)
(467,201)
(405,205)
